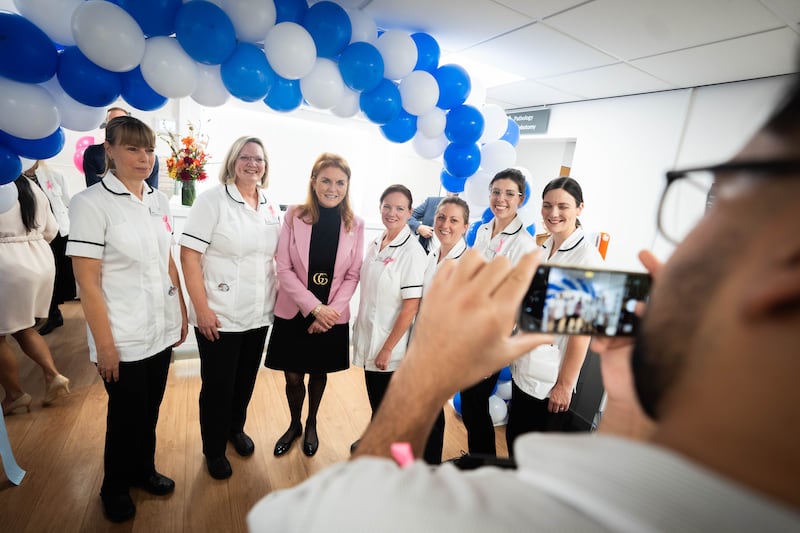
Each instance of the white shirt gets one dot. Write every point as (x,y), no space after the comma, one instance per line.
(388,277)
(238,244)
(562,483)
(456,251)
(536,372)
(513,242)
(55,189)
(132,238)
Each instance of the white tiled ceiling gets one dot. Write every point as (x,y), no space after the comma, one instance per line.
(569,50)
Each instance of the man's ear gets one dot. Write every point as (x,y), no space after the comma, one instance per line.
(778,290)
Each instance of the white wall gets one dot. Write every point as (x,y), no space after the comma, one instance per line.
(623,146)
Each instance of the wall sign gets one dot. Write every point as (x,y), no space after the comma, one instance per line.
(531,122)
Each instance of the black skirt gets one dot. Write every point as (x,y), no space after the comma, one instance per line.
(293,349)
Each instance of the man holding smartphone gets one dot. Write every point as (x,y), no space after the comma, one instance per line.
(715,366)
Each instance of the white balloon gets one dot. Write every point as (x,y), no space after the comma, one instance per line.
(498,410)
(495,123)
(8,196)
(504,390)
(323,87)
(290,50)
(419,92)
(74,115)
(476,190)
(432,123)
(427,147)
(364,28)
(252,19)
(210,91)
(54,17)
(498,155)
(477,93)
(26,163)
(529,213)
(108,35)
(167,68)
(399,54)
(348,105)
(27,110)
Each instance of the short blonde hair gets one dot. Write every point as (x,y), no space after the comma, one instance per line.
(227,174)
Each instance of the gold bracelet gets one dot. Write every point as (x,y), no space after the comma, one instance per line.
(316,310)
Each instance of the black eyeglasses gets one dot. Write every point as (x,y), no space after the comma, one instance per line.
(691,192)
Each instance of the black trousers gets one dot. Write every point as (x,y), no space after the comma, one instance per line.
(64,284)
(527,414)
(228,369)
(377,383)
(476,416)
(133,404)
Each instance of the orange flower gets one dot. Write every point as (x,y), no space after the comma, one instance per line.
(188,158)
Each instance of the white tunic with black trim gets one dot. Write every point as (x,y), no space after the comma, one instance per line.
(132,238)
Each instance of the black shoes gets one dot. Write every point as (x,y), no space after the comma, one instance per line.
(285,442)
(242,444)
(51,324)
(219,467)
(310,443)
(118,507)
(157,484)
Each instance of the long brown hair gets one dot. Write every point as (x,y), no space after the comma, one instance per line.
(310,209)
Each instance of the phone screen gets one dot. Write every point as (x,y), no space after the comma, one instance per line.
(581,301)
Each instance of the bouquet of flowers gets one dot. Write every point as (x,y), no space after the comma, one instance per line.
(188,159)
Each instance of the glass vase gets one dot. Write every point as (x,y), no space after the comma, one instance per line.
(188,193)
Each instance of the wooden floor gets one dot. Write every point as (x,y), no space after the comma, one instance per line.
(61,447)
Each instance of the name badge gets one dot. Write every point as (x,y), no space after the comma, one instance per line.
(320,279)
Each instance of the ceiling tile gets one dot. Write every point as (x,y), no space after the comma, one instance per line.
(454,25)
(541,8)
(608,81)
(529,94)
(536,51)
(642,28)
(789,10)
(737,59)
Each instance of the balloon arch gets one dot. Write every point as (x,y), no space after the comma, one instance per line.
(63,61)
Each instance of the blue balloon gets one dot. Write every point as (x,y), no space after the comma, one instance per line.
(487,215)
(138,93)
(381,104)
(457,402)
(44,148)
(452,183)
(472,232)
(361,65)
(247,74)
(155,17)
(26,53)
(86,82)
(329,26)
(464,124)
(400,129)
(454,85)
(428,52)
(205,32)
(531,229)
(462,160)
(284,95)
(10,166)
(505,374)
(290,11)
(512,133)
(527,193)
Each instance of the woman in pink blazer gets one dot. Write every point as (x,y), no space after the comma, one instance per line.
(319,257)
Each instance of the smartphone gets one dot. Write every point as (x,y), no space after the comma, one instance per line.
(583,301)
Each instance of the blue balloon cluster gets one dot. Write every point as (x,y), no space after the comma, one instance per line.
(208,35)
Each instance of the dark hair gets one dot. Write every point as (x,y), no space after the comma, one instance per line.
(455,200)
(27,203)
(571,186)
(311,207)
(514,175)
(128,130)
(402,189)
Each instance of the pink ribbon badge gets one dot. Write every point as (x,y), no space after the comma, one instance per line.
(165,218)
(388,260)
